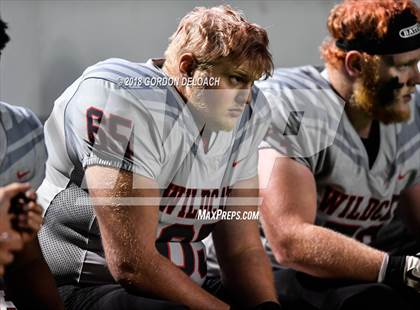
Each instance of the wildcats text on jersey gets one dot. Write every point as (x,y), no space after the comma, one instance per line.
(353,197)
(187,198)
(355,207)
(150,133)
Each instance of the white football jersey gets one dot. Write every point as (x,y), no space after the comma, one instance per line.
(353,198)
(149,131)
(22,150)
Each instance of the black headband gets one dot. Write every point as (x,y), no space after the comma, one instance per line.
(403,35)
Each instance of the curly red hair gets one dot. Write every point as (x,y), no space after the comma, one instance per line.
(354,18)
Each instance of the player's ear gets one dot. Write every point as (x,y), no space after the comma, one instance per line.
(187,64)
(353,63)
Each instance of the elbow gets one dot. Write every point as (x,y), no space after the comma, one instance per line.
(124,273)
(284,250)
(283,256)
(132,271)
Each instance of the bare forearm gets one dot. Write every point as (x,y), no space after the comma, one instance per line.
(128,236)
(324,253)
(249,278)
(162,279)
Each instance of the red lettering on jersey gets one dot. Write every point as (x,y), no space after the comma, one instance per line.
(214,194)
(175,194)
(93,120)
(181,212)
(353,209)
(354,215)
(332,200)
(182,235)
(377,214)
(223,198)
(104,134)
(171,196)
(348,205)
(188,201)
(192,213)
(371,207)
(388,215)
(205,198)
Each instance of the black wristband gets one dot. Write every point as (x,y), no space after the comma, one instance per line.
(394,275)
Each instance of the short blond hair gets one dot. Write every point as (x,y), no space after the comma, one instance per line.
(221,33)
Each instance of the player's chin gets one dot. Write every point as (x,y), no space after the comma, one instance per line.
(227,124)
(398,113)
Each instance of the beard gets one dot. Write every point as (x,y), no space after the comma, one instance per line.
(198,99)
(379,99)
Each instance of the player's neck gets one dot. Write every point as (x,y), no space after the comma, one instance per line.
(205,131)
(361,122)
(343,86)
(175,76)
(340,83)
(205,139)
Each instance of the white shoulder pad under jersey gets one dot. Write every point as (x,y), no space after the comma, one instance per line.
(22,150)
(306,112)
(352,198)
(137,129)
(149,131)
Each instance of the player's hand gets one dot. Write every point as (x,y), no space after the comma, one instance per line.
(27,219)
(403,270)
(10,240)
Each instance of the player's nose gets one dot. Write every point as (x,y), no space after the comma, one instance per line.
(243,96)
(417,73)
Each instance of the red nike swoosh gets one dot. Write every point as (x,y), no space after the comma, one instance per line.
(402,176)
(22,174)
(236,162)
